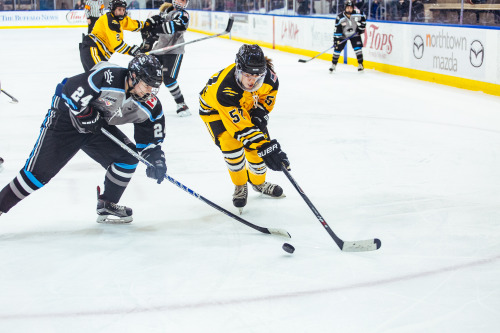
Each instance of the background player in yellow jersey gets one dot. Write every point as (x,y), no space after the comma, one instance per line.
(106,37)
(235,106)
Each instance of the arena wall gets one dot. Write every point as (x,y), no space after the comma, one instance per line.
(461,56)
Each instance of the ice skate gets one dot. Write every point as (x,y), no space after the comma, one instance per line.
(269,189)
(183,110)
(333,68)
(110,212)
(361,69)
(240,196)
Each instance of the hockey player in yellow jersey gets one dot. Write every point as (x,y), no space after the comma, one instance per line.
(235,106)
(106,37)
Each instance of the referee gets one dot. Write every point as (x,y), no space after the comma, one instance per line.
(93,10)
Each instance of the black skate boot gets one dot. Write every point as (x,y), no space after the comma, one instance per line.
(110,212)
(240,196)
(270,189)
(361,68)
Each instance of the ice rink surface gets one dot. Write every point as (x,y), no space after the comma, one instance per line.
(413,163)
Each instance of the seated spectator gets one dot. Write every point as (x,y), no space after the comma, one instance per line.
(79,5)
(403,10)
(417,11)
(134,4)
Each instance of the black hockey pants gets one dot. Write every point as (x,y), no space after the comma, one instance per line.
(57,143)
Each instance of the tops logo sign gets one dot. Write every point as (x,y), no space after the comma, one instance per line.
(76,17)
(374,39)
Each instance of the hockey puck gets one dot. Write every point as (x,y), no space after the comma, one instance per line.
(288,248)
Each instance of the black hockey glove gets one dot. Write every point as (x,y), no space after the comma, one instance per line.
(259,118)
(152,22)
(148,40)
(91,120)
(159,168)
(171,27)
(273,156)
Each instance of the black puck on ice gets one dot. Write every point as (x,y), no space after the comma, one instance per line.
(288,248)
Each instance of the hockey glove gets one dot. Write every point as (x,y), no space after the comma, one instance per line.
(259,118)
(171,27)
(135,50)
(152,22)
(273,156)
(157,158)
(91,120)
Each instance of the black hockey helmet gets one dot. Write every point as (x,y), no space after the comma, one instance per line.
(113,4)
(251,60)
(147,69)
(349,3)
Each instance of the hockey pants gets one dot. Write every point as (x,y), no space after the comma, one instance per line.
(357,45)
(90,55)
(56,145)
(243,164)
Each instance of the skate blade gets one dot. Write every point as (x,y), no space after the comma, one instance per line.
(111,219)
(184,114)
(272,197)
(240,209)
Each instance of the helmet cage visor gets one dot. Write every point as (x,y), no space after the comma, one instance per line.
(178,5)
(241,76)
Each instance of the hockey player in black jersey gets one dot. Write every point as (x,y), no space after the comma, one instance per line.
(170,31)
(349,25)
(106,96)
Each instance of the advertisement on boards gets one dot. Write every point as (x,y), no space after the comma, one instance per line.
(450,50)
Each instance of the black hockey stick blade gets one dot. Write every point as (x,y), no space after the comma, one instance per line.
(302,60)
(13,100)
(230,24)
(346,246)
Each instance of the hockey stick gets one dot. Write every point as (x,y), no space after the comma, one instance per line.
(272,231)
(354,246)
(13,99)
(171,47)
(328,49)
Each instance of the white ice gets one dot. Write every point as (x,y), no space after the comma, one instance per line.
(413,163)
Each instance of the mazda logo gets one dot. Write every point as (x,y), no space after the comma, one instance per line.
(476,53)
(418,47)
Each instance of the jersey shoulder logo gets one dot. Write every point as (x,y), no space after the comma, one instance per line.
(108,76)
(274,77)
(152,102)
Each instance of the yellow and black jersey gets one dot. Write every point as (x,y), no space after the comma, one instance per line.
(224,106)
(108,34)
